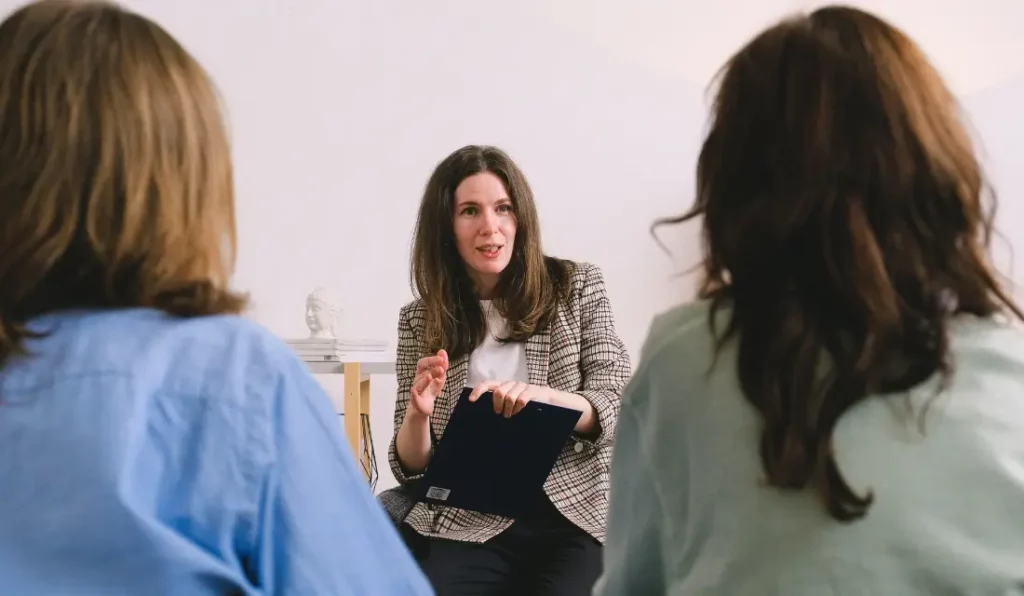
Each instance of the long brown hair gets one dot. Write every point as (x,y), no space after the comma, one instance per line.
(115,171)
(528,291)
(844,226)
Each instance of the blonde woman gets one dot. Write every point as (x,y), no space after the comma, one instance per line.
(152,441)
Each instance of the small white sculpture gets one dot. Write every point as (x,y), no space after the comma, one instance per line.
(323,312)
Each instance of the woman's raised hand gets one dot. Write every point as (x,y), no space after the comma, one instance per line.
(428,383)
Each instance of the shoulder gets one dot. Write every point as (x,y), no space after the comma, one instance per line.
(581,281)
(415,307)
(583,275)
(678,328)
(989,334)
(225,356)
(678,346)
(988,352)
(412,315)
(233,349)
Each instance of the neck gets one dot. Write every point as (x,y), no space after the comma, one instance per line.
(485,286)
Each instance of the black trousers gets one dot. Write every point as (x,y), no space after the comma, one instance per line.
(542,554)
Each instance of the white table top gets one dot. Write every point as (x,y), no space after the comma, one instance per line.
(368,365)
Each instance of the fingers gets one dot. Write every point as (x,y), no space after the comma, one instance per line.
(420,383)
(525,397)
(429,362)
(510,398)
(501,397)
(437,382)
(431,379)
(515,399)
(482,388)
(434,372)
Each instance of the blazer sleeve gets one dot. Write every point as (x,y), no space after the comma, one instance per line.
(407,354)
(604,360)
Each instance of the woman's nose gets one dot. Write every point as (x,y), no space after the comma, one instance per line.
(489,222)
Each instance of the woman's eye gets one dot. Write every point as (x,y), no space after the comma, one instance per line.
(504,208)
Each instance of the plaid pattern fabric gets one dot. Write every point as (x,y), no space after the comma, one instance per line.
(578,353)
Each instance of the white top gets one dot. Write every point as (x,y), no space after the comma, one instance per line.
(691,516)
(495,361)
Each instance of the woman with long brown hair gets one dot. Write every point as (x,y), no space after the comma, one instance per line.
(496,314)
(152,441)
(842,411)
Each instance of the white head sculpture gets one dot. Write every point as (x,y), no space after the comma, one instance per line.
(323,312)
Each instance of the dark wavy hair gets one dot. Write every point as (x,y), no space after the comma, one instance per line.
(846,221)
(529,290)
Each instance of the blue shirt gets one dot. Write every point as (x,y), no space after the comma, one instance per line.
(691,515)
(142,454)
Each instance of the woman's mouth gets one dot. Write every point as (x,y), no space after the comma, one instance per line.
(490,251)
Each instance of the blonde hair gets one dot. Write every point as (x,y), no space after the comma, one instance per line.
(116,182)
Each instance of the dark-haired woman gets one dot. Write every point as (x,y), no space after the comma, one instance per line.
(496,314)
(843,411)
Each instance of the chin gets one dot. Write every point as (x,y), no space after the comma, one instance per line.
(492,267)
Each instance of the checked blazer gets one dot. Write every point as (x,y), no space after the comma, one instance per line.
(579,352)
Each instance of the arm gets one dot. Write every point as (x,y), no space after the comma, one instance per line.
(410,449)
(412,445)
(587,424)
(604,363)
(321,530)
(633,549)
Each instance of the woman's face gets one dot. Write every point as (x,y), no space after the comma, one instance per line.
(485,229)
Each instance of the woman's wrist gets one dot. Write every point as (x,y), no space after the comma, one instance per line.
(567,400)
(412,444)
(588,422)
(414,416)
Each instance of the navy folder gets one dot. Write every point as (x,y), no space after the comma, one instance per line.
(491,464)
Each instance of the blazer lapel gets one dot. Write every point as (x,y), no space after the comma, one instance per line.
(458,372)
(538,350)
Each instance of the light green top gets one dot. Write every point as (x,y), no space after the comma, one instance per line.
(691,516)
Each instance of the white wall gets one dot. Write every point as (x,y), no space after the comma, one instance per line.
(341,108)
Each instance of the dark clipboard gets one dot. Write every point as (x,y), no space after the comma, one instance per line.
(487,463)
